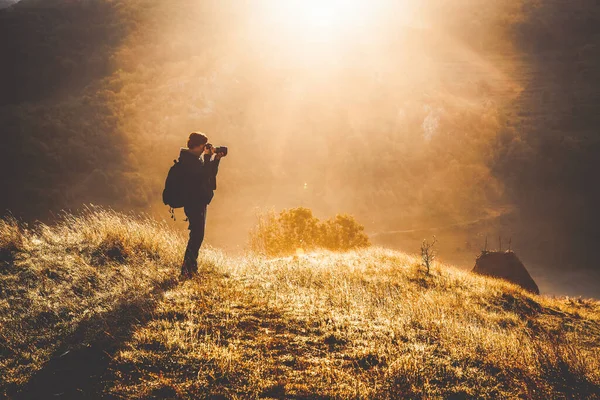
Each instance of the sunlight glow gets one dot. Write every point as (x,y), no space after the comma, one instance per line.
(325,14)
(320,19)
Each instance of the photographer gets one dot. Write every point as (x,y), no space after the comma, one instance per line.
(201,164)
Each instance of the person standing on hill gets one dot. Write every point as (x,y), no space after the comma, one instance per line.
(201,164)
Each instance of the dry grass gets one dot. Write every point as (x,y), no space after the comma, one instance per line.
(361,324)
(62,287)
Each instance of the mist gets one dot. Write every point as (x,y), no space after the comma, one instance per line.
(376,120)
(458,119)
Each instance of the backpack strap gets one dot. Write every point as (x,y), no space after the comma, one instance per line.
(172,212)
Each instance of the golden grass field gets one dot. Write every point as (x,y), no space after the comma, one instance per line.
(91,307)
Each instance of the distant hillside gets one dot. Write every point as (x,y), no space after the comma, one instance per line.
(549,148)
(97,97)
(7,3)
(91,308)
(59,139)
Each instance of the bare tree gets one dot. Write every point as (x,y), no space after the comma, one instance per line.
(428,253)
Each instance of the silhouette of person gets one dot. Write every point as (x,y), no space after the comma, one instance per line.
(201,164)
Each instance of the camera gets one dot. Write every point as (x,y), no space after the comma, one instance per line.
(220,149)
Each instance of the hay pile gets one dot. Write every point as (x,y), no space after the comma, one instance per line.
(505,265)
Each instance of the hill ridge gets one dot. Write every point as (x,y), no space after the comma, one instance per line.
(366,323)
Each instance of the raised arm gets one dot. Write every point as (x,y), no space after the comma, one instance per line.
(211,168)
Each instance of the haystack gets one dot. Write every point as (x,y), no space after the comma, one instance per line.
(505,265)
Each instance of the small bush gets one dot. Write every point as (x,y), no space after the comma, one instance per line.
(343,232)
(297,228)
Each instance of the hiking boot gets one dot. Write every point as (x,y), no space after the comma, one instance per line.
(185,275)
(193,268)
(185,272)
(188,269)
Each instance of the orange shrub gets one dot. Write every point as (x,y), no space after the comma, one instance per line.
(297,228)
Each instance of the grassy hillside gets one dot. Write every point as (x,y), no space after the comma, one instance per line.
(92,307)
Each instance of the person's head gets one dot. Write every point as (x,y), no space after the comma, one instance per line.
(196,143)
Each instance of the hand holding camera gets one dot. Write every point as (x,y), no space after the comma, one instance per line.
(220,151)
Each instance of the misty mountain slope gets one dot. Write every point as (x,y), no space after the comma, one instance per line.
(60,140)
(7,3)
(126,81)
(549,148)
(90,307)
(484,106)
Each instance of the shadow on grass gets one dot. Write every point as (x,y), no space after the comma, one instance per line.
(76,371)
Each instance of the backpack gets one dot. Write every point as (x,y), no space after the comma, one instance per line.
(174,194)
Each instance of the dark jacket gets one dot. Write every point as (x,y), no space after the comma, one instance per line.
(201,177)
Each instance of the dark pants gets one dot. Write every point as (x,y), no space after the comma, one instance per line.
(197,220)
